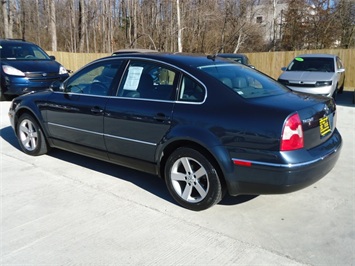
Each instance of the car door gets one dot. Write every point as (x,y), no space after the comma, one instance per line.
(75,115)
(137,119)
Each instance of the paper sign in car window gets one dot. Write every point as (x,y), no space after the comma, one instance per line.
(133,77)
(299,59)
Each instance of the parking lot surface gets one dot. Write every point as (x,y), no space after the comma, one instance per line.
(67,209)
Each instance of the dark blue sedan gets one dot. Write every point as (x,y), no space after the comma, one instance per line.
(25,67)
(205,124)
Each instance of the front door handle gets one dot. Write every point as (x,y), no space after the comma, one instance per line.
(161,117)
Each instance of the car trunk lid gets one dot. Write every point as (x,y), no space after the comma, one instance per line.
(317,114)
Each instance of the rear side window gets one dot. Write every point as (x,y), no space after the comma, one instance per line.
(191,91)
(244,81)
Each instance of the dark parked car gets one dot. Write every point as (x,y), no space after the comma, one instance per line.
(207,126)
(26,67)
(239,58)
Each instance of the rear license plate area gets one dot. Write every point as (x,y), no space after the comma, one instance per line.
(324,126)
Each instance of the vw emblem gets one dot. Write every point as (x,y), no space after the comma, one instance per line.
(44,74)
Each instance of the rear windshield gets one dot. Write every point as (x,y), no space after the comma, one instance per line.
(243,80)
(318,64)
(22,51)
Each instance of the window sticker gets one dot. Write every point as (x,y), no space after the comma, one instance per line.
(133,77)
(299,59)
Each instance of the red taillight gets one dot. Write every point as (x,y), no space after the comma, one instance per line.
(292,134)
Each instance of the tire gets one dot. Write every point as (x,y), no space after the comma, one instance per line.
(335,94)
(192,180)
(341,89)
(3,97)
(30,136)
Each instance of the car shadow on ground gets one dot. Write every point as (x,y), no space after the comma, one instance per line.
(148,182)
(346,98)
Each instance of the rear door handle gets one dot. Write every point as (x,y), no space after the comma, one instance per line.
(97,110)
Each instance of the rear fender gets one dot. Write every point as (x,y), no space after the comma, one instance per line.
(199,139)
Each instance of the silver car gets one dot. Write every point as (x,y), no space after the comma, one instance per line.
(321,74)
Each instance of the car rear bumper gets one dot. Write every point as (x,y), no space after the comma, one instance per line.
(270,178)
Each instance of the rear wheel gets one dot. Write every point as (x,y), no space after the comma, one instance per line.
(192,179)
(30,136)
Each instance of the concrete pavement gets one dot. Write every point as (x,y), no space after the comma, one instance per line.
(67,209)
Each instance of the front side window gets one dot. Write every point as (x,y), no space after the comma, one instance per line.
(339,63)
(96,80)
(148,80)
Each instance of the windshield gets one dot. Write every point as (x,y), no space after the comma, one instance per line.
(244,81)
(319,64)
(22,51)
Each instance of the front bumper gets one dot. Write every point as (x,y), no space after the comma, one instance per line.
(21,85)
(255,177)
(325,90)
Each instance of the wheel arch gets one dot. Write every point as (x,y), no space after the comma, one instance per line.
(25,110)
(172,146)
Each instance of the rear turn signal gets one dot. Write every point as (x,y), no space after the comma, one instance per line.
(292,134)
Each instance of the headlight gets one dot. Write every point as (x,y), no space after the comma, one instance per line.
(9,70)
(284,82)
(323,83)
(62,70)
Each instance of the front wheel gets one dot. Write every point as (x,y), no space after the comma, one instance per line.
(3,97)
(30,136)
(192,180)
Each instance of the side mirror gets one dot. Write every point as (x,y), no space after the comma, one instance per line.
(57,86)
(52,57)
(341,70)
(283,68)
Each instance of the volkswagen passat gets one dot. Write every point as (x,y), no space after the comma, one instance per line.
(322,74)
(204,124)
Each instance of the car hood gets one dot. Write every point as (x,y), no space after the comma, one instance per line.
(34,66)
(307,75)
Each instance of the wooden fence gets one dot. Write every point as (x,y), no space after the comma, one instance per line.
(268,62)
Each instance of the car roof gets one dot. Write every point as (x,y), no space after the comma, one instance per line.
(13,40)
(193,60)
(232,55)
(133,50)
(318,55)
(16,41)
